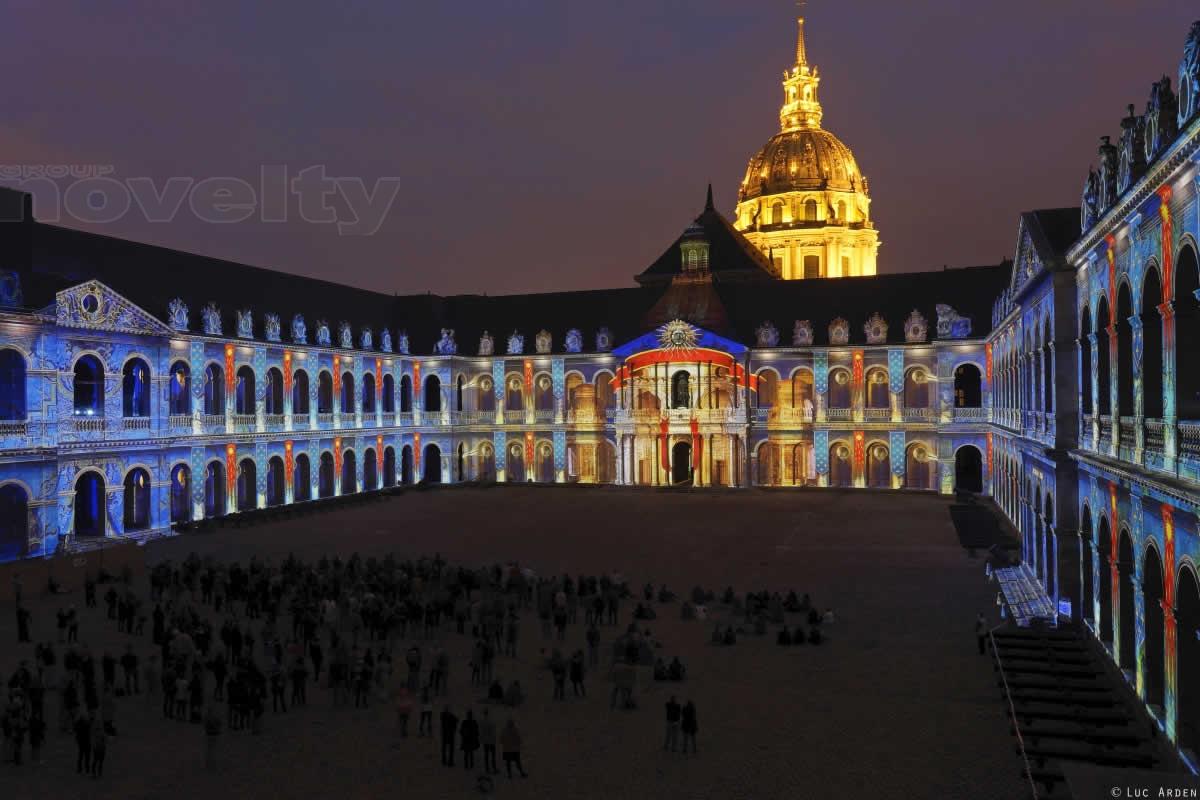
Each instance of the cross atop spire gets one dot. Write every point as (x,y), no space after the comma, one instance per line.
(801,55)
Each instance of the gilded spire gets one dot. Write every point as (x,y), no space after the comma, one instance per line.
(801,56)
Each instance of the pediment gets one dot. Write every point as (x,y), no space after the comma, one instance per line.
(94,306)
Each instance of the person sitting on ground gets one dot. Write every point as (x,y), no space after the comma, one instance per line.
(495,692)
(660,670)
(814,636)
(730,636)
(675,670)
(784,637)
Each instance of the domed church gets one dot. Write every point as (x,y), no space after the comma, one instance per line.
(804,202)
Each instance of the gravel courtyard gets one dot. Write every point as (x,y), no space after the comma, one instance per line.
(897,705)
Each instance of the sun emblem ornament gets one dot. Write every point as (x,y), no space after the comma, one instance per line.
(678,335)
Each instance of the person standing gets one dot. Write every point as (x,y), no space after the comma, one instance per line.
(510,745)
(129,665)
(593,643)
(425,724)
(99,748)
(674,714)
(469,737)
(689,725)
(576,670)
(83,744)
(449,729)
(404,706)
(487,735)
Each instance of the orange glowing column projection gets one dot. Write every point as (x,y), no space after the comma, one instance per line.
(287,376)
(664,450)
(379,383)
(289,463)
(860,453)
(230,471)
(1170,632)
(987,354)
(528,449)
(1114,580)
(528,381)
(379,452)
(337,459)
(416,379)
(989,452)
(229,373)
(417,452)
(337,381)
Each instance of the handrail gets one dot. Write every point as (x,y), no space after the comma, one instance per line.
(1012,713)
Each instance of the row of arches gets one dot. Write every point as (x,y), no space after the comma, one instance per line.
(783,464)
(1101,324)
(1108,587)
(798,391)
(1024,370)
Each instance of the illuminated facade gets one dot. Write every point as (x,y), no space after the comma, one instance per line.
(1097,416)
(804,202)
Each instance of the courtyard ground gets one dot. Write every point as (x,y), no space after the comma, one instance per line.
(898,705)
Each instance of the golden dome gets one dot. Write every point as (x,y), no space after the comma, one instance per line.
(798,160)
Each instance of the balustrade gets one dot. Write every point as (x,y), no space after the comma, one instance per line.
(1154,434)
(1189,438)
(838,414)
(135,423)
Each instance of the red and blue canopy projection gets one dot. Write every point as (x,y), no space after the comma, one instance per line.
(680,343)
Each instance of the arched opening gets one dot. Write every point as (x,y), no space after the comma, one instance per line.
(803,396)
(681,462)
(1104,551)
(777,213)
(879,467)
(406,465)
(1126,656)
(181,493)
(545,463)
(389,394)
(1187,335)
(370,470)
(1152,595)
(1152,346)
(841,471)
(1103,321)
(349,473)
(487,463)
(214,390)
(1187,667)
(1048,367)
(839,388)
(515,471)
(273,398)
(325,477)
(302,479)
(968,469)
(324,393)
(543,395)
(300,407)
(810,210)
(135,389)
(89,387)
(431,463)
(768,389)
(368,393)
(804,464)
(458,393)
(968,386)
(14,522)
(681,389)
(179,391)
(389,467)
(247,485)
(606,398)
(243,396)
(918,467)
(1085,355)
(1087,591)
(485,395)
(877,388)
(347,393)
(768,464)
(433,394)
(1050,560)
(1124,352)
(136,513)
(214,490)
(405,394)
(276,482)
(12,385)
(916,388)
(89,505)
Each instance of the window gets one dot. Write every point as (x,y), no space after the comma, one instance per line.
(389,394)
(89,386)
(324,393)
(274,396)
(812,266)
(244,391)
(180,393)
(300,393)
(681,390)
(214,390)
(777,214)
(135,389)
(347,393)
(368,393)
(810,210)
(12,385)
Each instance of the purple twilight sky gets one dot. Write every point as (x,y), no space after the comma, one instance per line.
(560,144)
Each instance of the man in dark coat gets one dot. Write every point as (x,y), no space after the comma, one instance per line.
(469,735)
(449,729)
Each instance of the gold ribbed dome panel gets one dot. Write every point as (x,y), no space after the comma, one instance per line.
(805,159)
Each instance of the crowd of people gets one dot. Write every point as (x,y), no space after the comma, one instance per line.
(227,640)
